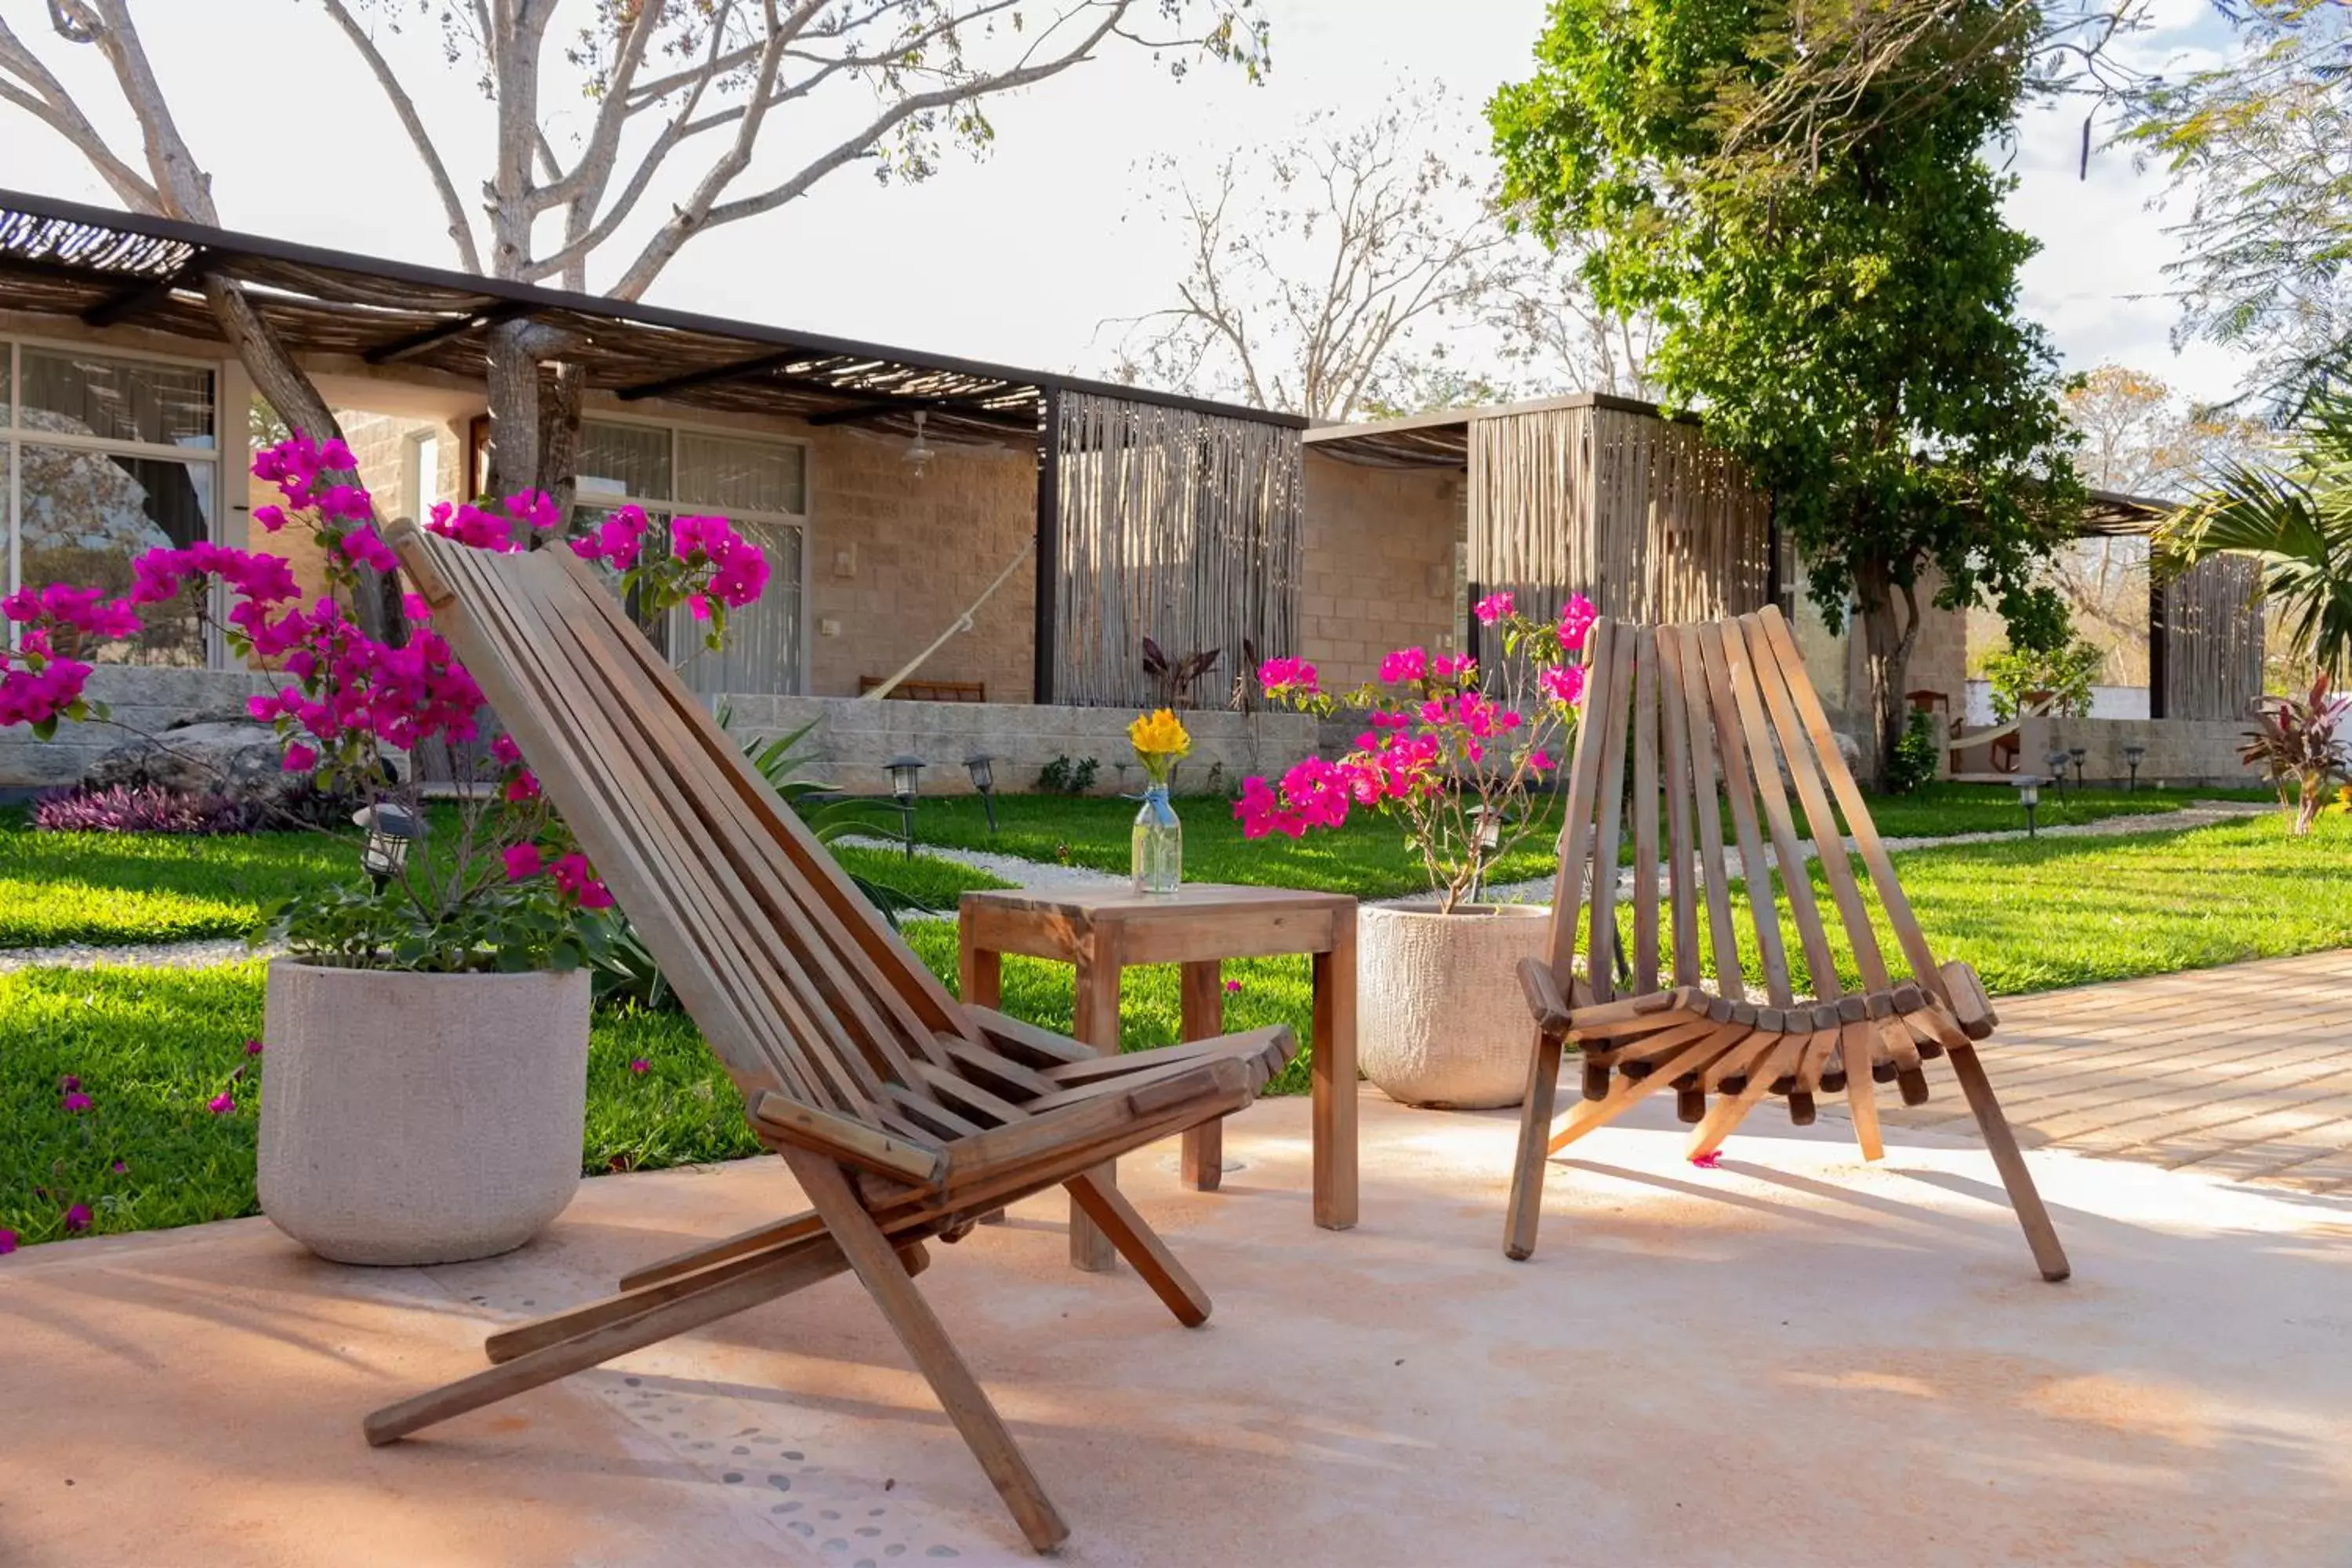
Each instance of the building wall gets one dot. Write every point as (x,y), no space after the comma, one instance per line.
(1379,569)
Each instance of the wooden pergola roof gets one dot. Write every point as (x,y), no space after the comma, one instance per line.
(1442,440)
(114,269)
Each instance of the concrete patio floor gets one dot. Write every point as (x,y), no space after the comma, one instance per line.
(1790,1359)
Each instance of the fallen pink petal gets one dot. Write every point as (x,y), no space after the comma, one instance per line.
(639,1065)
(7,1242)
(1710,1161)
(75,1103)
(253,1048)
(221,1104)
(77,1218)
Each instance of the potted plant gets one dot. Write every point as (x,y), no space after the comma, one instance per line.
(1456,760)
(425,1078)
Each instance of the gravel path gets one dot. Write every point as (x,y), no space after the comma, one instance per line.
(1030,876)
(198,954)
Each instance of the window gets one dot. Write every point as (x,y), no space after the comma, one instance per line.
(761,487)
(102,459)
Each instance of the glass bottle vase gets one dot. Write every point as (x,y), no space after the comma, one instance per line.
(1159,843)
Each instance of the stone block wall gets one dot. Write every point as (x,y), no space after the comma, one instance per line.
(1378,566)
(896,556)
(142,700)
(2182,752)
(852,740)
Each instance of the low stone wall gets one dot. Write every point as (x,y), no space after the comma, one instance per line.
(853,739)
(142,701)
(2182,752)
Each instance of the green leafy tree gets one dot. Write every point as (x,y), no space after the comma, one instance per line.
(1849,328)
(2260,142)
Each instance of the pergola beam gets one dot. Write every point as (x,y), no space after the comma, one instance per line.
(417,343)
(129,302)
(710,375)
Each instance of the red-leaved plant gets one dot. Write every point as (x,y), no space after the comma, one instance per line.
(2294,742)
(1455,762)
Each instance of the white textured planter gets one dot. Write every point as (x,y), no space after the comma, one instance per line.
(1440,1018)
(411,1119)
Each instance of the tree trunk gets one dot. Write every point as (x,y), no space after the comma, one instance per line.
(534,412)
(1889,629)
(289,391)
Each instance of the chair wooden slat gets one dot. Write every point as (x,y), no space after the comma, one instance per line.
(1763,758)
(1740,790)
(1645,810)
(1679,657)
(1576,826)
(1804,769)
(1816,720)
(1601,940)
(1681,851)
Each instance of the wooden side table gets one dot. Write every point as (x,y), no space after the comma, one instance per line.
(1199,926)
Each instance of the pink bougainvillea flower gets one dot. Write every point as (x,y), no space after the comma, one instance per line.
(1492,608)
(1406,664)
(1452,666)
(77,1218)
(75,1103)
(253,1048)
(7,1242)
(300,758)
(1281,677)
(222,1103)
(1576,619)
(574,879)
(1562,683)
(1540,760)
(639,1065)
(1233,987)
(68,1083)
(522,861)
(506,753)
(120,1167)
(1710,1161)
(523,787)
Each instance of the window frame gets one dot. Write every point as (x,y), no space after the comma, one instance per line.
(801,521)
(15,436)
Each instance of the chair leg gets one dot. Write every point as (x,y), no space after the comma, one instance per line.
(910,1317)
(1729,1110)
(1528,1164)
(2040,1234)
(1140,1246)
(704,1303)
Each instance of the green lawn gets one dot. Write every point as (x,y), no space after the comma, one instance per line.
(110,888)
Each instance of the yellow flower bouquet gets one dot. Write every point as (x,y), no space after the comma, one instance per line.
(1161,742)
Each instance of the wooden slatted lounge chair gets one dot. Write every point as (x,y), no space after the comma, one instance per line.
(1678,707)
(903,1115)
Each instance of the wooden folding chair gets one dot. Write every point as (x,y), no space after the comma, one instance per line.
(1668,712)
(903,1115)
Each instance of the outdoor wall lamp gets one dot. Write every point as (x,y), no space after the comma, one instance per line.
(905,772)
(2133,757)
(983,779)
(389,829)
(2029,795)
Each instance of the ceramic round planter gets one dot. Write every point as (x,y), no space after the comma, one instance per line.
(411,1119)
(1439,1015)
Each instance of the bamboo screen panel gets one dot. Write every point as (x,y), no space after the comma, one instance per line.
(1637,513)
(2213,639)
(1178,526)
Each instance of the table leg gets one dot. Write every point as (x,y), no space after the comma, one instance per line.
(980,977)
(980,981)
(1335,1078)
(1097,1019)
(1203,1161)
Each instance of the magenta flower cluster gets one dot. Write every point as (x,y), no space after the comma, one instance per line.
(1445,750)
(739,572)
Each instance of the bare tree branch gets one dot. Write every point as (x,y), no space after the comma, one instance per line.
(461,229)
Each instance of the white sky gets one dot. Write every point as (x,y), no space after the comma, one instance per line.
(1019,256)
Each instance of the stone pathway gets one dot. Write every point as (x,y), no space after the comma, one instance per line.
(2243,1072)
